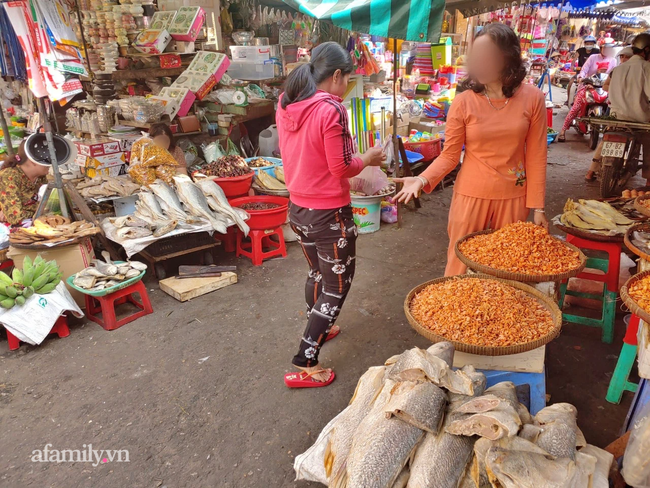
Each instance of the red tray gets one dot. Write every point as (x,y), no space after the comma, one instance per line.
(264,219)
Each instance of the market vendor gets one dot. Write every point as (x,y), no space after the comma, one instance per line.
(162,136)
(20,179)
(581,55)
(319,158)
(501,121)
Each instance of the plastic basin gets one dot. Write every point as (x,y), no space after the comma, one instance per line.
(105,291)
(235,186)
(269,169)
(264,219)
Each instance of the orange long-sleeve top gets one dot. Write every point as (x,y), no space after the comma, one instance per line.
(505,150)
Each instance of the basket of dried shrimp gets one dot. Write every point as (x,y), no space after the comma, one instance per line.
(635,293)
(521,252)
(642,204)
(482,314)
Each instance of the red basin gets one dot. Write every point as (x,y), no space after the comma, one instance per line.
(264,219)
(235,186)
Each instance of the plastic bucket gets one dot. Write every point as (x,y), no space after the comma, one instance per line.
(367,213)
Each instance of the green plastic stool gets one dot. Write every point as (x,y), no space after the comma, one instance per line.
(619,382)
(607,297)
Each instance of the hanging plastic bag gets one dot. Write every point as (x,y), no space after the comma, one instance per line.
(636,469)
(212,152)
(231,148)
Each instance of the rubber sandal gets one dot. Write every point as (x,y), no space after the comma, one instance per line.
(561,139)
(333,333)
(591,178)
(305,380)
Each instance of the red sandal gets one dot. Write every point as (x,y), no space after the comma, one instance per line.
(336,330)
(305,380)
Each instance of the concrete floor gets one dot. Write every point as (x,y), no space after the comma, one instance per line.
(194,391)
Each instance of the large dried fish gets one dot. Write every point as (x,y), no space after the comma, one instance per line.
(211,189)
(85,282)
(604,462)
(168,200)
(530,432)
(558,436)
(150,201)
(523,469)
(403,479)
(507,391)
(104,268)
(417,364)
(368,387)
(381,449)
(426,415)
(441,459)
(497,423)
(165,228)
(133,232)
(195,201)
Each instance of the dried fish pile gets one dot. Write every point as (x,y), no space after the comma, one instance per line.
(162,208)
(107,186)
(268,182)
(642,241)
(522,247)
(226,167)
(52,229)
(594,216)
(259,163)
(417,423)
(481,312)
(106,274)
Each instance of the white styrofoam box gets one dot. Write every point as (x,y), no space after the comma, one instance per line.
(244,70)
(250,53)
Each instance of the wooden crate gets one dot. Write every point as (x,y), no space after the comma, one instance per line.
(187,288)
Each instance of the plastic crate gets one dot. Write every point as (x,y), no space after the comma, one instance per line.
(429,149)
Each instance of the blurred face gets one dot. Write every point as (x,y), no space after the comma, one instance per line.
(339,83)
(589,46)
(162,141)
(36,169)
(486,61)
(607,52)
(623,57)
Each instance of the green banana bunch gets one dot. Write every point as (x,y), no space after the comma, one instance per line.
(37,277)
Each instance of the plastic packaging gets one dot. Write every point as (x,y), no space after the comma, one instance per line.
(636,468)
(269,141)
(388,212)
(371,180)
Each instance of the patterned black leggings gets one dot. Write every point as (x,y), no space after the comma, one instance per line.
(328,239)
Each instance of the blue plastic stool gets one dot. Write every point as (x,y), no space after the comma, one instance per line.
(536,381)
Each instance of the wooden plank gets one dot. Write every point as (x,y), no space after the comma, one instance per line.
(525,362)
(617,448)
(186,289)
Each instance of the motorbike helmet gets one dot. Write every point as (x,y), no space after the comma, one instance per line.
(589,39)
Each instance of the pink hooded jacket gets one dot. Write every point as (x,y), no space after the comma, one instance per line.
(317,151)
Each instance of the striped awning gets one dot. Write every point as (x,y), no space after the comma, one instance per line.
(410,20)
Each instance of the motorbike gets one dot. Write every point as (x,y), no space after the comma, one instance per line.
(621,155)
(596,106)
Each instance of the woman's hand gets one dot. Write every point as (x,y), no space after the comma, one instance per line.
(539,218)
(374,156)
(412,188)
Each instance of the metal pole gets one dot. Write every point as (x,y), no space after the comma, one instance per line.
(83,37)
(58,183)
(5,131)
(395,141)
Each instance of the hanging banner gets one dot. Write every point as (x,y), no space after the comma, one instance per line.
(410,20)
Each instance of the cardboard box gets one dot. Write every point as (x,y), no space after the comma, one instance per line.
(108,165)
(187,23)
(198,83)
(168,61)
(152,41)
(210,62)
(182,96)
(181,47)
(126,140)
(162,20)
(71,259)
(100,147)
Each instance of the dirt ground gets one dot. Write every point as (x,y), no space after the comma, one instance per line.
(194,391)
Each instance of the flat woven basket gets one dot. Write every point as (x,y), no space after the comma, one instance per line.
(639,207)
(509,275)
(630,302)
(592,236)
(545,300)
(640,227)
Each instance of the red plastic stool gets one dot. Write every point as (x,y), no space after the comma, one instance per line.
(229,239)
(60,328)
(106,305)
(260,239)
(8,263)
(613,250)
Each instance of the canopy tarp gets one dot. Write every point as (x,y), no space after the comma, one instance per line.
(410,20)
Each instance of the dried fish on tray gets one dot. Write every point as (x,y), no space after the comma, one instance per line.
(52,229)
(226,167)
(400,432)
(107,276)
(103,186)
(593,216)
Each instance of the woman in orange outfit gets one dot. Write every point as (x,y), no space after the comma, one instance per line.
(502,124)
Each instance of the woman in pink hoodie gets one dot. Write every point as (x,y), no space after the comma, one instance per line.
(319,157)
